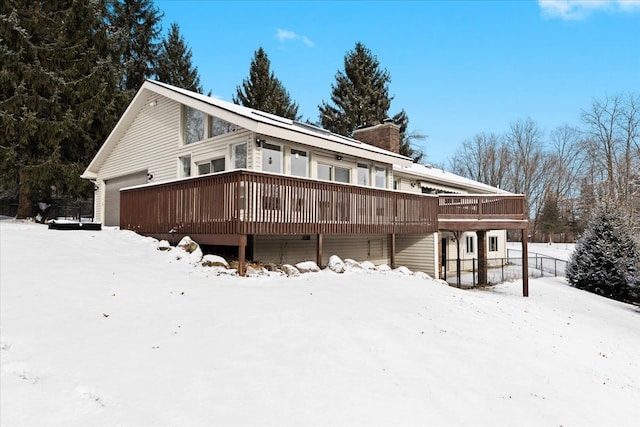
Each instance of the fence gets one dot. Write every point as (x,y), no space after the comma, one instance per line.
(57,208)
(505,269)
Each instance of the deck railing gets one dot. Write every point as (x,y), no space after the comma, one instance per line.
(481,207)
(244,202)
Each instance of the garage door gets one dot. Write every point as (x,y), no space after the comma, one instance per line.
(112,195)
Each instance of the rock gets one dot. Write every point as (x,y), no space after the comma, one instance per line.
(307,267)
(335,264)
(367,265)
(214,261)
(191,248)
(403,271)
(163,245)
(352,264)
(383,268)
(256,270)
(422,275)
(290,270)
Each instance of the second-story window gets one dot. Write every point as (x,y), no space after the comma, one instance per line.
(184,166)
(219,127)
(193,125)
(381,177)
(363,174)
(239,155)
(271,157)
(299,163)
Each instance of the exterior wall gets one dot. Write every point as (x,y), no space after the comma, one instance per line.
(418,253)
(293,249)
(149,144)
(467,257)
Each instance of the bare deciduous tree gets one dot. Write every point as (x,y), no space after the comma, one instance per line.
(484,158)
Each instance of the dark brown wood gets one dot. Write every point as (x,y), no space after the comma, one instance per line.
(482,257)
(457,235)
(392,250)
(242,268)
(525,262)
(319,250)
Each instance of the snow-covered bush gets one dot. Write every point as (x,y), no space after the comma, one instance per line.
(422,275)
(402,270)
(383,268)
(606,260)
(335,264)
(351,264)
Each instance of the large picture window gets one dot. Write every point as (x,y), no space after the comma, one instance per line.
(193,125)
(239,155)
(219,127)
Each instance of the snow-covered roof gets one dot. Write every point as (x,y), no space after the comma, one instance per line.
(439,177)
(259,122)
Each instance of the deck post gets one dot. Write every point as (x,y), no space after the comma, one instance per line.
(525,263)
(319,250)
(392,249)
(482,257)
(457,235)
(242,249)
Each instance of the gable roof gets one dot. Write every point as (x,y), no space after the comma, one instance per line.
(261,123)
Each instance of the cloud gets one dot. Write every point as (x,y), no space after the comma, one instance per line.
(579,9)
(286,35)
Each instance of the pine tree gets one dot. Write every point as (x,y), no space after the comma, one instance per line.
(174,62)
(361,98)
(263,91)
(606,260)
(58,91)
(136,26)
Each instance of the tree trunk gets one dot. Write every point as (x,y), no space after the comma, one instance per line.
(25,205)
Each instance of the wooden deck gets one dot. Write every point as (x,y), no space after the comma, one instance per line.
(244,202)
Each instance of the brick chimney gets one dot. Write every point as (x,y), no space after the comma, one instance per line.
(385,135)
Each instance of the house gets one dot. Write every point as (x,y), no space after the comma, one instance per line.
(181,163)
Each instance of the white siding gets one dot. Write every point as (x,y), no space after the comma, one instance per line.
(417,252)
(293,249)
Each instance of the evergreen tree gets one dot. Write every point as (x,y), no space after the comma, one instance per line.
(361,98)
(136,26)
(263,91)
(174,62)
(606,260)
(58,90)
(550,220)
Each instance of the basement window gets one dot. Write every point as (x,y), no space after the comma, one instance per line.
(493,243)
(470,242)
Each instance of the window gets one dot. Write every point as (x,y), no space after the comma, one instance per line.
(204,168)
(381,177)
(324,172)
(299,163)
(219,127)
(395,184)
(239,155)
(217,165)
(493,243)
(193,123)
(342,174)
(363,174)
(185,166)
(271,157)
(470,240)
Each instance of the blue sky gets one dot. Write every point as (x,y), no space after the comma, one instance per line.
(457,67)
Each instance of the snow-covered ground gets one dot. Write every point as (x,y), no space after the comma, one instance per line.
(554,250)
(100,328)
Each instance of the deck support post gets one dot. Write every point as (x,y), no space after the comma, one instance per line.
(457,235)
(525,263)
(319,250)
(242,250)
(482,257)
(392,249)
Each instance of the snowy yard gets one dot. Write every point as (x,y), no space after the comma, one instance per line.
(98,328)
